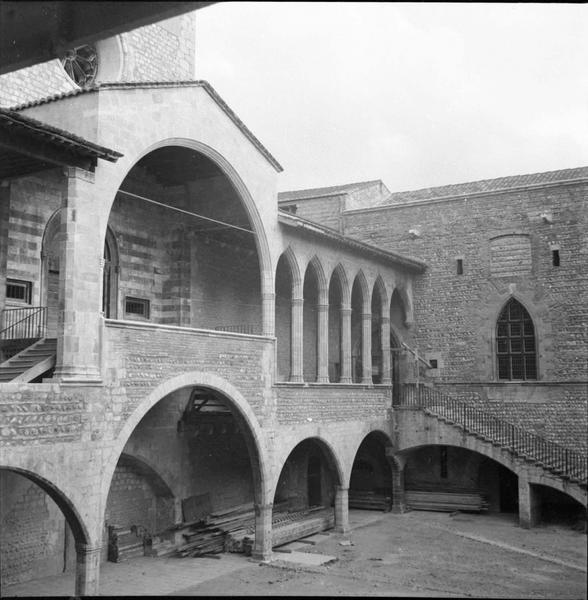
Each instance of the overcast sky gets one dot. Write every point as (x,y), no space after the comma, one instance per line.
(417,95)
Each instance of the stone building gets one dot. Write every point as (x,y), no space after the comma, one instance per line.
(172,328)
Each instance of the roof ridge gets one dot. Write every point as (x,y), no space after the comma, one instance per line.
(329,188)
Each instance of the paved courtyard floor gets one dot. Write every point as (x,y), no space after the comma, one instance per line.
(413,554)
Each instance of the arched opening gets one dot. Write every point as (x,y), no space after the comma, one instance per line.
(377,357)
(370,486)
(449,478)
(110,272)
(335,325)
(283,315)
(39,530)
(50,268)
(191,458)
(305,495)
(310,324)
(516,350)
(397,356)
(357,309)
(553,507)
(188,253)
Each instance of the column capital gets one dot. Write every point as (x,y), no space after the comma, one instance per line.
(78,173)
(297,301)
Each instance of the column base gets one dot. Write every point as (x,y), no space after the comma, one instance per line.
(264,557)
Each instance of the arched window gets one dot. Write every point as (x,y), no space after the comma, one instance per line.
(515,343)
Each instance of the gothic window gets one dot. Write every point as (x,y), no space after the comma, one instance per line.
(515,343)
(81,64)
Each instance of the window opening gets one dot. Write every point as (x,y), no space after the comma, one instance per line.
(137,306)
(555,258)
(19,290)
(460,266)
(291,208)
(433,363)
(515,341)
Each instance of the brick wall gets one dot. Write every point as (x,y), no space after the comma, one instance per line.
(455,315)
(330,404)
(141,358)
(326,211)
(35,540)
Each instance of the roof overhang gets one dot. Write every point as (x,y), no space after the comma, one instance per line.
(28,146)
(312,229)
(35,32)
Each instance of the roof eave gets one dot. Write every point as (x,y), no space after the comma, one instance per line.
(312,228)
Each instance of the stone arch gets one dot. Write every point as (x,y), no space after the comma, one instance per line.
(406,299)
(245,196)
(534,475)
(292,262)
(328,451)
(70,512)
(254,435)
(361,346)
(110,266)
(51,251)
(313,292)
(321,277)
(341,274)
(361,280)
(380,327)
(158,480)
(380,289)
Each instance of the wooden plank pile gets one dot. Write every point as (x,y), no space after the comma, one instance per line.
(233,530)
(125,543)
(446,500)
(371,500)
(288,527)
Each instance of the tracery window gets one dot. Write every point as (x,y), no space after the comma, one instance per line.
(515,343)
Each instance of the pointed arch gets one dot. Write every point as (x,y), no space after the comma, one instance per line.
(360,305)
(321,277)
(380,327)
(380,289)
(289,256)
(314,291)
(110,270)
(516,343)
(339,297)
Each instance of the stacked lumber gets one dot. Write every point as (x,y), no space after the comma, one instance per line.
(233,530)
(125,543)
(446,500)
(288,527)
(369,500)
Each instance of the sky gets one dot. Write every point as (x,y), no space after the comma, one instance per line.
(414,94)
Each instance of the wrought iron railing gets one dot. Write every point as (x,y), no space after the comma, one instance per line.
(248,329)
(520,442)
(24,323)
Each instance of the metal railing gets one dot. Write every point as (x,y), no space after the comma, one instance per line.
(24,323)
(520,442)
(248,329)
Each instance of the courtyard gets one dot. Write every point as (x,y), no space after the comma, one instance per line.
(412,554)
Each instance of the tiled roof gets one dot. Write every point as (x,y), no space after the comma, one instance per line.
(314,229)
(10,118)
(334,190)
(488,185)
(161,84)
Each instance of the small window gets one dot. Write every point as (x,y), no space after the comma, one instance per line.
(291,208)
(19,290)
(460,266)
(433,363)
(555,258)
(137,306)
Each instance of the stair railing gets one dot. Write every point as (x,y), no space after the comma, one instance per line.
(24,323)
(552,456)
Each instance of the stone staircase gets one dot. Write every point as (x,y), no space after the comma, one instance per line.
(565,463)
(30,363)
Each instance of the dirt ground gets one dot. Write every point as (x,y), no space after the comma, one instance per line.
(428,554)
(412,554)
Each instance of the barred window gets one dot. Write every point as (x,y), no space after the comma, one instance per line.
(515,343)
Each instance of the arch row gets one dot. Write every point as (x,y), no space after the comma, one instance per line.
(333,325)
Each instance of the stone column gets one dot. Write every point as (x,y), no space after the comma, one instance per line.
(397,464)
(87,569)
(386,363)
(346,344)
(268,305)
(342,509)
(529,503)
(262,547)
(296,374)
(78,347)
(366,348)
(323,343)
